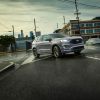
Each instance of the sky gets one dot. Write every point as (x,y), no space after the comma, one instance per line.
(48,13)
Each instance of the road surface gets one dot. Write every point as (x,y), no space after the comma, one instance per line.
(73,77)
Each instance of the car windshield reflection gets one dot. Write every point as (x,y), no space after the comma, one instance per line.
(57,36)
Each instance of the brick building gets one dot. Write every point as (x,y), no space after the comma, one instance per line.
(88,28)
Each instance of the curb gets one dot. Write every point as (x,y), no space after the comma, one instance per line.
(11,65)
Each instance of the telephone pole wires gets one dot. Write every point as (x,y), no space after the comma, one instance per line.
(77,13)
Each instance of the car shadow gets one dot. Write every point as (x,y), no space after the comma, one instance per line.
(67,56)
(70,56)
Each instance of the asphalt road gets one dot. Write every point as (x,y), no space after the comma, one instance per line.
(73,77)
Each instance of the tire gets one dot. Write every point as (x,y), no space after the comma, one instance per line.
(77,52)
(36,55)
(56,52)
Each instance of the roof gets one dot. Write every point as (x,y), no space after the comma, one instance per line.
(84,21)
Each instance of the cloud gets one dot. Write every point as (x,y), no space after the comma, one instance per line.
(56,4)
(47,12)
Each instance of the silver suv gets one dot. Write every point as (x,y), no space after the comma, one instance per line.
(57,45)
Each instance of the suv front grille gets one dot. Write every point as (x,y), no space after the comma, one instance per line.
(78,48)
(76,41)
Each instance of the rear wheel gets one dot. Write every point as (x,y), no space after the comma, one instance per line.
(36,55)
(56,52)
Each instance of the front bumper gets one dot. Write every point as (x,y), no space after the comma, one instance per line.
(72,49)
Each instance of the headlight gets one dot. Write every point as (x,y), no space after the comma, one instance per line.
(65,44)
(64,41)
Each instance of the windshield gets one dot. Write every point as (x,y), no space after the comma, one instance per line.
(57,36)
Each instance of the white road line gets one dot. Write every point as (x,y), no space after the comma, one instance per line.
(95,58)
(41,59)
(31,59)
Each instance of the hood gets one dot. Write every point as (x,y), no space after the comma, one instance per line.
(73,37)
(68,38)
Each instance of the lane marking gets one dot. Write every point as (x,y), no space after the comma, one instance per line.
(31,59)
(41,59)
(95,58)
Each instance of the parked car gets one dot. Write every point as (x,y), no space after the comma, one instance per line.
(57,45)
(93,42)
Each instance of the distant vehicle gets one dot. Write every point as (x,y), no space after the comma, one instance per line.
(93,42)
(57,45)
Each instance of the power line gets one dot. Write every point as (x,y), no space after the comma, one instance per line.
(83,4)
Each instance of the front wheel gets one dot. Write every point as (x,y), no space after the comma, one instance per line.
(36,55)
(56,52)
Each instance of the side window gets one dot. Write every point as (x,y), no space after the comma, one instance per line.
(46,37)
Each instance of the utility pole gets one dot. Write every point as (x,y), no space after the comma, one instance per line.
(13,30)
(57,25)
(35,26)
(77,16)
(64,19)
(13,48)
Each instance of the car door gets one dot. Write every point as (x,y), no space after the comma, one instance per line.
(45,45)
(39,44)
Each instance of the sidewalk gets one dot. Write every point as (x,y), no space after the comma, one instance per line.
(8,60)
(6,65)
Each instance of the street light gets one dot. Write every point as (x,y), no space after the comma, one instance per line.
(13,30)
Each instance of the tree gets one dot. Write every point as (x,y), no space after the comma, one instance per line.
(57,31)
(6,41)
(96,18)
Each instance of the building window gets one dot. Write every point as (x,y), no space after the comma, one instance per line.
(89,31)
(82,25)
(97,24)
(82,31)
(75,26)
(89,25)
(97,30)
